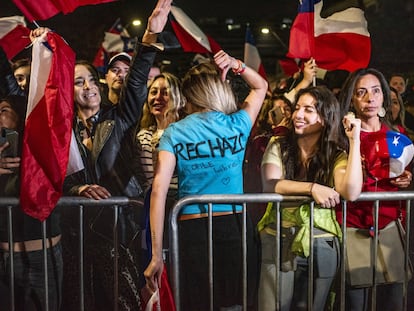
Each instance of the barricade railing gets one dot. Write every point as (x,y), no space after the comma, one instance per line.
(71,202)
(243,200)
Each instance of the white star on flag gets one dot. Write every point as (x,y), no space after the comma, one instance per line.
(395,140)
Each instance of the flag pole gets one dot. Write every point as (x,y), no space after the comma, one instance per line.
(314,77)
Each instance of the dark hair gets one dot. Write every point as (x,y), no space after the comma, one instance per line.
(348,92)
(19,105)
(332,140)
(90,67)
(20,63)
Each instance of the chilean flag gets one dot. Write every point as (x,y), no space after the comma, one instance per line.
(190,36)
(116,40)
(333,32)
(14,35)
(44,9)
(389,153)
(48,128)
(251,54)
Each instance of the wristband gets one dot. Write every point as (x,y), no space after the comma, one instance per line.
(240,68)
(151,32)
(311,189)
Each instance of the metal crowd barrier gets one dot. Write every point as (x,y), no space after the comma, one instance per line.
(71,202)
(243,200)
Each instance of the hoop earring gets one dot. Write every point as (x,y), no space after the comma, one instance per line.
(381,112)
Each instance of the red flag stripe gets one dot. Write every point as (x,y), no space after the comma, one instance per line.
(338,41)
(48,126)
(15,41)
(190,36)
(44,9)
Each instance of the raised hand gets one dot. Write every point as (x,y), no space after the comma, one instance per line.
(159,16)
(225,62)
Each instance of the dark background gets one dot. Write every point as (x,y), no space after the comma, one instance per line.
(390,24)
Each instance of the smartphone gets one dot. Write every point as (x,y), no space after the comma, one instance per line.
(12,137)
(277,115)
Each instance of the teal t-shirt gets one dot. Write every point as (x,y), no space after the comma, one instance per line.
(209,148)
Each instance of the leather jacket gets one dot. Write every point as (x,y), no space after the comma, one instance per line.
(111,160)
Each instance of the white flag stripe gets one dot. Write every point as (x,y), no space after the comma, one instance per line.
(252,56)
(189,26)
(7,24)
(346,21)
(39,73)
(113,42)
(75,163)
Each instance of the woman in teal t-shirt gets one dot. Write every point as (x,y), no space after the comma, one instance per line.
(207,149)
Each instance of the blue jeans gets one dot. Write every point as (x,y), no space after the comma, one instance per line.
(294,284)
(29,279)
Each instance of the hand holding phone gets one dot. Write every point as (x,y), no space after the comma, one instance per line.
(9,151)
(12,137)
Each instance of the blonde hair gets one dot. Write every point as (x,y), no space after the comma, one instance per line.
(175,104)
(202,87)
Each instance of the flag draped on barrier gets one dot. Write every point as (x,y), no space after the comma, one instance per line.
(14,35)
(44,9)
(48,127)
(333,32)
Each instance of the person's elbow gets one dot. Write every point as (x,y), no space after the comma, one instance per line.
(352,194)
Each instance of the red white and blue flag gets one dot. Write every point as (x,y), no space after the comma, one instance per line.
(45,9)
(190,36)
(251,54)
(333,32)
(116,40)
(14,35)
(48,128)
(389,153)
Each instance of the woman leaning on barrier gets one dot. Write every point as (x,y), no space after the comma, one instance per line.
(367,94)
(207,149)
(310,160)
(105,138)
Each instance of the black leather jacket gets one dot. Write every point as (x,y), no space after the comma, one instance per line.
(110,162)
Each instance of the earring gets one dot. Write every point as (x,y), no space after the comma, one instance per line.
(381,112)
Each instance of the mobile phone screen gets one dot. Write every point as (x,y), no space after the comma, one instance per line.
(12,137)
(277,115)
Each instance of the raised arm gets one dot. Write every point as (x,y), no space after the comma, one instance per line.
(309,73)
(157,21)
(258,85)
(134,93)
(348,180)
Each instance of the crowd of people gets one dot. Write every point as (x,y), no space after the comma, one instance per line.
(150,134)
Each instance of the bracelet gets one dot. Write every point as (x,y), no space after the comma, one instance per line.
(311,189)
(151,32)
(240,68)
